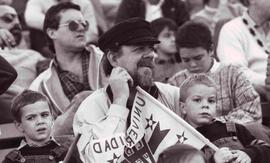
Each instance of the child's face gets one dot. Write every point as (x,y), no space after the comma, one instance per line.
(196,60)
(167,43)
(200,105)
(36,122)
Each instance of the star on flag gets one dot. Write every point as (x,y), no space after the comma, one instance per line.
(150,122)
(181,138)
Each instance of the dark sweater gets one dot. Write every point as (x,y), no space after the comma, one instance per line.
(258,150)
(51,149)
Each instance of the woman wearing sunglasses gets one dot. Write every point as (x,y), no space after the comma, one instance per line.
(74,73)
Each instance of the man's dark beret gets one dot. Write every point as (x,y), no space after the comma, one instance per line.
(132,31)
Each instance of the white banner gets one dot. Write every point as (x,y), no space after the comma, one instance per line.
(153,127)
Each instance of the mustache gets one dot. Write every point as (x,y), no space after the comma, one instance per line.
(146,62)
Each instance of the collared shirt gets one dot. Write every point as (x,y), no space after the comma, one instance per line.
(237,100)
(24,143)
(70,82)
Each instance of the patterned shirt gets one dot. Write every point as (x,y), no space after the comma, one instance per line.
(70,82)
(237,100)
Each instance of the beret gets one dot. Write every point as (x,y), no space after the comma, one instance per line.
(132,31)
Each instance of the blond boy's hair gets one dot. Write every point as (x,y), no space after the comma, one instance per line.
(195,79)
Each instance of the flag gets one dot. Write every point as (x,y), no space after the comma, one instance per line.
(153,127)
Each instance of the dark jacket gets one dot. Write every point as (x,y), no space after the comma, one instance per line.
(173,9)
(50,153)
(258,151)
(7,75)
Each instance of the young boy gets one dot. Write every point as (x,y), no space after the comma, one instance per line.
(33,117)
(167,62)
(237,100)
(198,105)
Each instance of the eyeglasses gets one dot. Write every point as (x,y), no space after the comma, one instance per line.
(74,25)
(8,18)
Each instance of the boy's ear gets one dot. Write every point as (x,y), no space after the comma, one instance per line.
(182,106)
(18,125)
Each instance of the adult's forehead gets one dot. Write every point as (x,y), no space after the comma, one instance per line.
(70,14)
(5,9)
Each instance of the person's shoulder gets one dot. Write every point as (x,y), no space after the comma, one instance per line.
(229,67)
(99,96)
(234,24)
(165,86)
(41,78)
(14,156)
(167,89)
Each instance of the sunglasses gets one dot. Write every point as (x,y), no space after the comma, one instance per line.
(8,18)
(74,25)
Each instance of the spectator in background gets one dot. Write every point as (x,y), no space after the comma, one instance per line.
(100,16)
(75,71)
(244,41)
(181,153)
(25,61)
(215,10)
(167,62)
(153,9)
(110,9)
(237,101)
(35,15)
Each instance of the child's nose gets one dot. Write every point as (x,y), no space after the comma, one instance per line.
(205,104)
(40,120)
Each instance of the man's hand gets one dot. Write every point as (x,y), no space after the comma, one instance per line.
(6,39)
(223,155)
(118,82)
(241,157)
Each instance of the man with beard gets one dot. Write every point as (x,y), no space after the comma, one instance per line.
(129,50)
(23,60)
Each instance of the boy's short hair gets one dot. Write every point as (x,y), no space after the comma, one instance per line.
(27,97)
(159,24)
(194,34)
(195,80)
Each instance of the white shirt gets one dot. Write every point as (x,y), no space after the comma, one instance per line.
(237,46)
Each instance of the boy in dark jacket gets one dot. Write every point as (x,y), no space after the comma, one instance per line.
(198,105)
(33,117)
